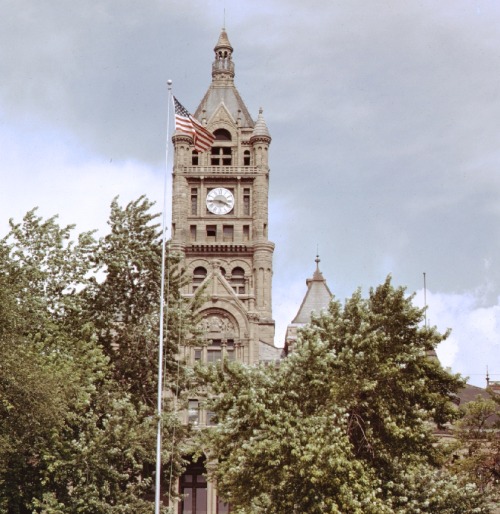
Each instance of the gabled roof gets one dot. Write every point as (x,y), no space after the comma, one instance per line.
(317,297)
(228,96)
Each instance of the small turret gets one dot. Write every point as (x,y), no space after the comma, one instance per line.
(260,140)
(223,66)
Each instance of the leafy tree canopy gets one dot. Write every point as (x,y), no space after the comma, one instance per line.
(78,358)
(345,423)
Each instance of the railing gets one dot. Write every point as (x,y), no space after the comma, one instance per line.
(219,170)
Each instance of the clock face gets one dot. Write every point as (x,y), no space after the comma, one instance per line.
(220,200)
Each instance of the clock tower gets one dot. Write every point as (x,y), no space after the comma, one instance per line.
(220,222)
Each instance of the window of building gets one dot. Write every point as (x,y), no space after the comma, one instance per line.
(198,354)
(194,158)
(246,232)
(246,201)
(194,412)
(193,488)
(228,233)
(223,507)
(194,201)
(211,233)
(238,280)
(246,158)
(199,275)
(214,351)
(220,156)
(230,353)
(211,418)
(222,135)
(192,230)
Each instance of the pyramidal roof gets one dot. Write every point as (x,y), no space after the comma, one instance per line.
(317,297)
(222,89)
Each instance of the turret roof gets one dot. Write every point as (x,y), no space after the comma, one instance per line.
(260,128)
(317,297)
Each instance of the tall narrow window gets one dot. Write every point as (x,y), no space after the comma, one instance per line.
(194,201)
(238,280)
(192,229)
(211,233)
(194,158)
(230,355)
(246,158)
(246,201)
(193,489)
(228,233)
(246,232)
(193,412)
(199,275)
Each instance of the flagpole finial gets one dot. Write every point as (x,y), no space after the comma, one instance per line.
(169,83)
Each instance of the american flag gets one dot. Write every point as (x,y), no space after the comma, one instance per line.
(184,122)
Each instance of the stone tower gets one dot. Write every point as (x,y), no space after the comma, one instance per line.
(220,221)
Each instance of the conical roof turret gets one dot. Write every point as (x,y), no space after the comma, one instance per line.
(223,42)
(260,130)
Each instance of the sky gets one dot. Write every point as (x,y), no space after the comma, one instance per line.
(385,125)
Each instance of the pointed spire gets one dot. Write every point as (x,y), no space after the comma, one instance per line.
(317,274)
(260,129)
(223,66)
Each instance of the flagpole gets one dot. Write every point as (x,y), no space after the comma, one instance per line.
(162,295)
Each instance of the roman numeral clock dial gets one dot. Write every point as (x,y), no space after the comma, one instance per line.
(220,201)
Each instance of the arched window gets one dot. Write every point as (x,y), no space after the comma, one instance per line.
(221,155)
(199,275)
(238,280)
(222,135)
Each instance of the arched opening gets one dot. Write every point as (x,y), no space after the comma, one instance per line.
(199,275)
(222,135)
(238,280)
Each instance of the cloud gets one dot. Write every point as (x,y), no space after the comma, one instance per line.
(474,343)
(47,169)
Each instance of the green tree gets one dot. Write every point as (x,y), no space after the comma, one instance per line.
(124,303)
(344,424)
(78,359)
(39,270)
(477,448)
